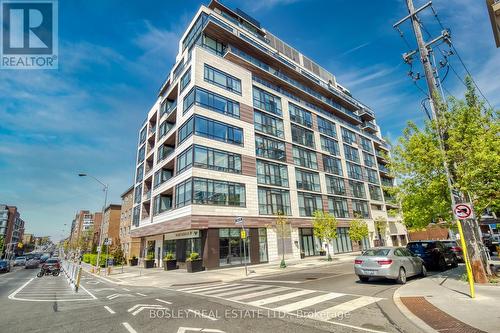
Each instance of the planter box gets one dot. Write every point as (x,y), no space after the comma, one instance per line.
(149,263)
(169,265)
(194,266)
(302,255)
(322,253)
(133,262)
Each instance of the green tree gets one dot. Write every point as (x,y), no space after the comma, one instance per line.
(358,229)
(381,228)
(282,228)
(325,228)
(117,254)
(1,245)
(471,142)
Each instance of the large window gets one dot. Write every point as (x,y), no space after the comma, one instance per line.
(215,159)
(211,129)
(268,124)
(299,115)
(366,144)
(164,151)
(357,189)
(351,153)
(139,173)
(305,158)
(342,243)
(306,180)
(332,165)
(164,128)
(269,148)
(162,176)
(372,175)
(354,171)
(211,101)
(216,192)
(184,160)
(141,154)
(183,193)
(162,203)
(335,185)
(272,173)
(338,207)
(213,45)
(360,208)
(138,194)
(302,136)
(143,134)
(194,31)
(186,78)
(266,101)
(273,201)
(309,203)
(375,192)
(222,79)
(369,159)
(330,145)
(348,136)
(326,127)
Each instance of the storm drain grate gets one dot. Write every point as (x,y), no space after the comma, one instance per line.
(435,318)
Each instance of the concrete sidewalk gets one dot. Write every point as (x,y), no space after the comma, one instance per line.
(441,302)
(157,277)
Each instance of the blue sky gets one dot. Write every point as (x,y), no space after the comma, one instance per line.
(114,55)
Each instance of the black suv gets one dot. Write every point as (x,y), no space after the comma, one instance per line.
(434,253)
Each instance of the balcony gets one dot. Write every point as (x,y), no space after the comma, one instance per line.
(146,196)
(366,114)
(369,126)
(382,168)
(167,107)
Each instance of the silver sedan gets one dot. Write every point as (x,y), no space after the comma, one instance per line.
(396,263)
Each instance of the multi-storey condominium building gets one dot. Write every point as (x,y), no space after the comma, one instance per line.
(82,227)
(247,126)
(11,230)
(129,248)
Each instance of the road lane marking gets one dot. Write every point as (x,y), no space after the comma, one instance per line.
(198,313)
(141,294)
(160,300)
(88,292)
(281,297)
(11,296)
(307,302)
(247,290)
(126,289)
(276,281)
(345,307)
(129,328)
(196,289)
(208,292)
(109,309)
(259,293)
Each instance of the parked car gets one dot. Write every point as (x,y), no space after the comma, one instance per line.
(453,246)
(4,266)
(32,263)
(396,263)
(20,261)
(44,257)
(434,253)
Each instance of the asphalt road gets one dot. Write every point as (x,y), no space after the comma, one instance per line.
(327,299)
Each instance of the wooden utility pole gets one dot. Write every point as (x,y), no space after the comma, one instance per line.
(425,51)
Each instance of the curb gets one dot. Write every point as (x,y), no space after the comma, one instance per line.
(103,278)
(409,315)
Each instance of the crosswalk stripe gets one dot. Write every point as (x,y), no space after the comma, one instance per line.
(344,308)
(209,292)
(195,289)
(260,293)
(307,302)
(246,289)
(281,297)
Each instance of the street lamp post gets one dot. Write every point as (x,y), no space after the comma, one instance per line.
(105,189)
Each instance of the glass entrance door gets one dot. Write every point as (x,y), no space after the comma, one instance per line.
(307,241)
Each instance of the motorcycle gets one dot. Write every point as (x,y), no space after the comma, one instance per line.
(48,271)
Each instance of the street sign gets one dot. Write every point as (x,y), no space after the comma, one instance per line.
(243,234)
(98,248)
(238,220)
(462,211)
(107,241)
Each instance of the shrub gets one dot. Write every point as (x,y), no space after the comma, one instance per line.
(150,256)
(193,256)
(169,256)
(86,258)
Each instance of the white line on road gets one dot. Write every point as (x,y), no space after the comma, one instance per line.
(346,307)
(126,289)
(198,313)
(88,292)
(198,288)
(141,294)
(129,328)
(275,281)
(160,300)
(109,309)
(11,296)
(281,297)
(259,293)
(208,292)
(307,302)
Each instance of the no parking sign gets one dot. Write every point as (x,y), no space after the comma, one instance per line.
(462,211)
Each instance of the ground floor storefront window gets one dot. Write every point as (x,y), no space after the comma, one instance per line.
(263,245)
(232,248)
(342,243)
(169,246)
(309,245)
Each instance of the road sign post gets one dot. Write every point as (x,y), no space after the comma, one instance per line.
(243,236)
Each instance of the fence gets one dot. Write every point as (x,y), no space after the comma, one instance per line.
(73,272)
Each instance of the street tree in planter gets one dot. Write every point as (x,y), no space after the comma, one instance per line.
(358,230)
(381,228)
(282,228)
(149,262)
(325,228)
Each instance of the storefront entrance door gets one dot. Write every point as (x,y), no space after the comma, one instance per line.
(307,241)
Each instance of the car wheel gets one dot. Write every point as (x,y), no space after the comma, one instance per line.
(455,262)
(363,278)
(402,276)
(423,273)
